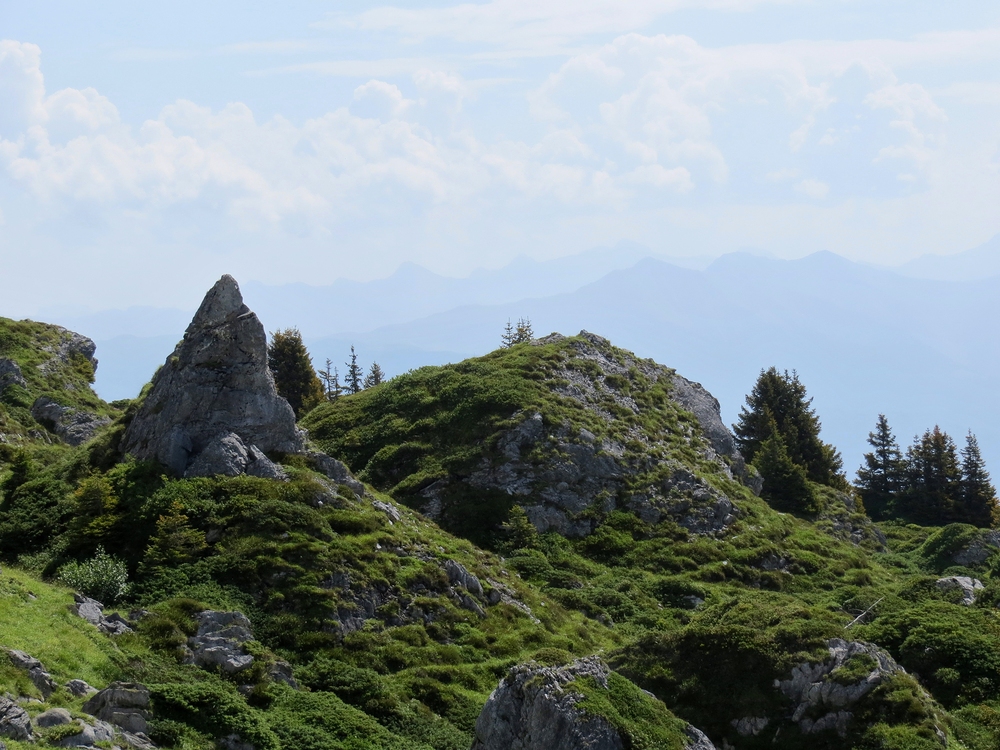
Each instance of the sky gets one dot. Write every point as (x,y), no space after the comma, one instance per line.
(147,148)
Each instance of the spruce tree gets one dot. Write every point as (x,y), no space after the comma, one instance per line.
(509,337)
(331,381)
(523,334)
(785,485)
(977,498)
(934,479)
(292,368)
(374,377)
(354,379)
(778,405)
(881,479)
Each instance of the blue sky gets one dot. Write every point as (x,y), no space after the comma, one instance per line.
(143,152)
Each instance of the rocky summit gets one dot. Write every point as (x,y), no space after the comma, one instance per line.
(213,408)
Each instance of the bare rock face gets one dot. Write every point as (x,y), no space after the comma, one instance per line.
(530,710)
(969,587)
(124,704)
(36,672)
(74,426)
(14,721)
(219,642)
(10,374)
(824,702)
(534,709)
(213,408)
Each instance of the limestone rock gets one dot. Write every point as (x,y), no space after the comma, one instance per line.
(92,611)
(229,456)
(215,385)
(814,693)
(14,721)
(968,586)
(40,678)
(79,688)
(532,709)
(89,736)
(979,549)
(124,704)
(560,475)
(10,374)
(54,717)
(390,512)
(74,426)
(337,471)
(219,641)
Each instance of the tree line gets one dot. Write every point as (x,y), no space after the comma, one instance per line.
(304,387)
(932,483)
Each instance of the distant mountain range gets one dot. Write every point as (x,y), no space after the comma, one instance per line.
(915,342)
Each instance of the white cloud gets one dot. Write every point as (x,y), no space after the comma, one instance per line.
(813,188)
(543,26)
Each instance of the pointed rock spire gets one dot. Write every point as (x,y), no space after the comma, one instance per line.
(213,407)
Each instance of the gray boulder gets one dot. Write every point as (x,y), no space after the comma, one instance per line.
(40,678)
(92,611)
(219,641)
(79,688)
(532,709)
(976,552)
(54,717)
(969,587)
(14,721)
(10,374)
(124,704)
(89,735)
(74,426)
(229,456)
(822,703)
(337,471)
(215,385)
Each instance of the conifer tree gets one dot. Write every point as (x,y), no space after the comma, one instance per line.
(785,485)
(881,479)
(977,498)
(292,368)
(933,477)
(778,405)
(523,334)
(354,379)
(331,381)
(509,337)
(374,377)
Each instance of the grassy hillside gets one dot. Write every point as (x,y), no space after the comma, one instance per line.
(53,364)
(673,570)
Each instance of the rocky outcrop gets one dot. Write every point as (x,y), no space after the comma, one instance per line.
(92,611)
(74,426)
(219,644)
(535,708)
(213,407)
(969,587)
(219,641)
(561,474)
(79,688)
(977,551)
(10,374)
(532,710)
(38,675)
(71,346)
(337,471)
(124,704)
(15,723)
(824,692)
